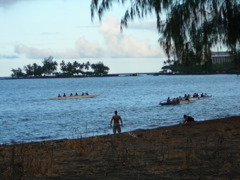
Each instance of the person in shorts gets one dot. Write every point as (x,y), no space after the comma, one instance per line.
(116,119)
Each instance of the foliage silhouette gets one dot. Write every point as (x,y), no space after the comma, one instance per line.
(188,30)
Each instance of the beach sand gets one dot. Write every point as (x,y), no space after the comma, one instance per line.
(199,150)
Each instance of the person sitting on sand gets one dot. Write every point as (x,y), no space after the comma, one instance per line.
(187,119)
(71,94)
(83,94)
(59,95)
(76,94)
(64,95)
(116,125)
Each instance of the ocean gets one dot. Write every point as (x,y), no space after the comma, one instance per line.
(27,115)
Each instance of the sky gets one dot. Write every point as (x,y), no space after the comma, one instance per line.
(32,30)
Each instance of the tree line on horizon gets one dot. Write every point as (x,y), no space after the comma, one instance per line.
(68,69)
(171,66)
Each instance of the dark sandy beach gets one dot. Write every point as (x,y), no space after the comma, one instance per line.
(199,150)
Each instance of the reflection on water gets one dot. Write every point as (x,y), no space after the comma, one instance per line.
(26,113)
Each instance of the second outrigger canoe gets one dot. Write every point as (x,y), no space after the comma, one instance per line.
(192,99)
(169,103)
(200,97)
(176,103)
(74,97)
(205,97)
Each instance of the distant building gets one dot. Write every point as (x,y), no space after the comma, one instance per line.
(221,57)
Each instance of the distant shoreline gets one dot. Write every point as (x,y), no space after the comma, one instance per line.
(115,75)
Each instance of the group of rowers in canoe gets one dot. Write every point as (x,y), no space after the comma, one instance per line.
(76,94)
(185,98)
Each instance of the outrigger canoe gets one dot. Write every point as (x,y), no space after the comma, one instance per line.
(176,103)
(200,97)
(169,103)
(74,97)
(204,97)
(184,101)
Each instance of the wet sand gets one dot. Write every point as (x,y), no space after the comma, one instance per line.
(199,150)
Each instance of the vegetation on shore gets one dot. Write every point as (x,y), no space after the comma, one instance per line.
(49,68)
(192,68)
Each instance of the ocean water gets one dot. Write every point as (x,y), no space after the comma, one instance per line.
(27,115)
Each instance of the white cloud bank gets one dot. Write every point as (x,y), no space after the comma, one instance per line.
(82,49)
(121,45)
(116,44)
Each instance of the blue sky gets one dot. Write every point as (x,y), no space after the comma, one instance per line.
(32,30)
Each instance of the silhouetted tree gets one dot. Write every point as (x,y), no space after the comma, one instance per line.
(99,69)
(63,66)
(29,70)
(77,68)
(71,69)
(87,65)
(49,66)
(37,70)
(17,73)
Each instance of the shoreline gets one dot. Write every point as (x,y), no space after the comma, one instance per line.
(116,75)
(46,140)
(199,150)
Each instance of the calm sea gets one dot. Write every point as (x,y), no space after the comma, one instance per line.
(26,113)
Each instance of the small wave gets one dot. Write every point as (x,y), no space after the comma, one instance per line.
(44,138)
(26,119)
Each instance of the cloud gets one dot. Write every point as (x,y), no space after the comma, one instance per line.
(3,56)
(151,26)
(33,52)
(88,49)
(83,48)
(121,45)
(7,3)
(116,44)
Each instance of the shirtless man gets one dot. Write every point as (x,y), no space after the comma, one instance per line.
(116,125)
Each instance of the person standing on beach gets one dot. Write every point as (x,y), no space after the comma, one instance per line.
(116,123)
